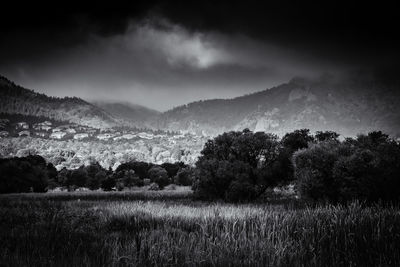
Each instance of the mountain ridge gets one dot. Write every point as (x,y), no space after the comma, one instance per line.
(16,99)
(348,106)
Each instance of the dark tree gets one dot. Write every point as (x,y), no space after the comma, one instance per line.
(313,172)
(366,168)
(173,168)
(297,139)
(23,175)
(184,176)
(141,168)
(326,136)
(95,174)
(245,158)
(108,184)
(159,175)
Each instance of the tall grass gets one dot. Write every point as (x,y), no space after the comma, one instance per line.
(51,232)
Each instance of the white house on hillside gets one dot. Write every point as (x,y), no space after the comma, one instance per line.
(81,136)
(22,125)
(57,135)
(24,133)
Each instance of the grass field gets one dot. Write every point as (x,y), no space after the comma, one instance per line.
(169,229)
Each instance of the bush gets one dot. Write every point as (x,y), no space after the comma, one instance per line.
(154,187)
(159,176)
(94,182)
(184,177)
(173,168)
(78,177)
(108,184)
(95,175)
(141,169)
(120,185)
(240,191)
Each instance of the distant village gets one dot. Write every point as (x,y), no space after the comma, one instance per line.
(49,130)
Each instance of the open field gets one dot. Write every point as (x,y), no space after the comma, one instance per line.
(106,229)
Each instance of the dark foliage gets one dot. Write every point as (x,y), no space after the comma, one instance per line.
(141,168)
(297,139)
(238,166)
(159,175)
(108,184)
(173,168)
(367,168)
(184,176)
(241,166)
(326,136)
(27,174)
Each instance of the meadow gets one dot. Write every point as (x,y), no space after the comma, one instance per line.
(168,228)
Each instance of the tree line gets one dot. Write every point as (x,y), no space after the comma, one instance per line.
(33,174)
(240,166)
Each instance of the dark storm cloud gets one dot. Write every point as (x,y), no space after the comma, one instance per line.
(162,54)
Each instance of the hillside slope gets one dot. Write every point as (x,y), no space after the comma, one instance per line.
(129,114)
(15,99)
(348,107)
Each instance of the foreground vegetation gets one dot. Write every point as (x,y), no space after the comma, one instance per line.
(51,230)
(238,167)
(161,224)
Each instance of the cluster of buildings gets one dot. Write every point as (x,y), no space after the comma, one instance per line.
(47,129)
(3,125)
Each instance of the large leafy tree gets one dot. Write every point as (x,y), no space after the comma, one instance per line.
(237,166)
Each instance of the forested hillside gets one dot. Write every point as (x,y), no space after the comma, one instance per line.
(15,99)
(347,106)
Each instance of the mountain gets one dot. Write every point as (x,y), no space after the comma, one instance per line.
(15,99)
(130,114)
(347,106)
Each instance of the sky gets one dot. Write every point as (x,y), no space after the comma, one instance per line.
(164,54)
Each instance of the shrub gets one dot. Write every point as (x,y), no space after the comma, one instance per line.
(240,191)
(78,177)
(108,184)
(120,185)
(146,181)
(173,168)
(159,176)
(184,177)
(154,187)
(141,169)
(94,182)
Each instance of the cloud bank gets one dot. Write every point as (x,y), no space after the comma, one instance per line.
(161,64)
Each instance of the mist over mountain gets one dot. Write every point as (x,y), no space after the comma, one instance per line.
(128,113)
(15,99)
(349,106)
